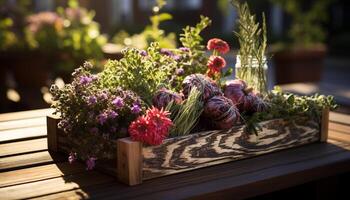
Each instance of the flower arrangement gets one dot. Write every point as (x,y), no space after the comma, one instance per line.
(103,113)
(157,93)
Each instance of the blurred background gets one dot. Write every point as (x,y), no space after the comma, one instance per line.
(42,41)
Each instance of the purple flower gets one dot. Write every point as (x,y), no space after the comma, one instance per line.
(92,100)
(118,102)
(85,80)
(103,95)
(72,157)
(179,71)
(167,52)
(176,57)
(112,114)
(102,118)
(94,131)
(143,53)
(184,49)
(90,163)
(135,109)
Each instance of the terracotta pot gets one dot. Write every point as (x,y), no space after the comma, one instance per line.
(299,65)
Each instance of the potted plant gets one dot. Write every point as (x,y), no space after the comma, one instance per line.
(157,112)
(301,59)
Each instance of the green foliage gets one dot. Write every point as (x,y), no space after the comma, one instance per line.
(191,39)
(7,37)
(141,74)
(145,74)
(186,116)
(306,28)
(290,106)
(70,33)
(253,42)
(151,33)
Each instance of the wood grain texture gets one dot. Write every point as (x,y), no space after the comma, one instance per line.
(344,137)
(29,160)
(129,161)
(13,135)
(28,146)
(25,114)
(22,123)
(38,173)
(324,125)
(214,147)
(52,132)
(339,127)
(54,185)
(339,118)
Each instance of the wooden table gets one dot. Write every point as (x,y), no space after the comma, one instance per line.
(28,170)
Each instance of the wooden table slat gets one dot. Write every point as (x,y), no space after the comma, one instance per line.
(224,177)
(339,118)
(340,136)
(339,127)
(23,147)
(29,160)
(25,114)
(22,134)
(54,185)
(38,173)
(22,123)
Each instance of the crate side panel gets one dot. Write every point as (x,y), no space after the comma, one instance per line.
(194,151)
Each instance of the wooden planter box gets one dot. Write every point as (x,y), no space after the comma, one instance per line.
(137,162)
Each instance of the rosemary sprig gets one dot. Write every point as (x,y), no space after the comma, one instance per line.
(252,40)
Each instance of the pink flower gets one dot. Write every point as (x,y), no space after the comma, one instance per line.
(218,45)
(216,63)
(151,128)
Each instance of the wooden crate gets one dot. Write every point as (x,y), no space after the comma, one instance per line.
(136,162)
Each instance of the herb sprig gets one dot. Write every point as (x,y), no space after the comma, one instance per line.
(253,42)
(289,106)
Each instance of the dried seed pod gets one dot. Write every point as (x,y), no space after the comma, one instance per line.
(243,96)
(164,96)
(222,112)
(202,82)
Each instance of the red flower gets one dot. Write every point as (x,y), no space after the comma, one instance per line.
(215,64)
(218,45)
(151,128)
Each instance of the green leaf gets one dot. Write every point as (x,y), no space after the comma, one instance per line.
(228,72)
(164,17)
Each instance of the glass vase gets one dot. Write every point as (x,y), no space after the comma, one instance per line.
(252,74)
